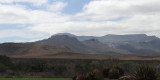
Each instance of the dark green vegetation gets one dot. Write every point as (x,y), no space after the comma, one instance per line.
(67,68)
(142,72)
(145,72)
(36,79)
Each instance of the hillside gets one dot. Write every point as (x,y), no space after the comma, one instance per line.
(149,47)
(64,40)
(101,48)
(31,50)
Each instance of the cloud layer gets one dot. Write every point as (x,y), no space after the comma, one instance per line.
(98,17)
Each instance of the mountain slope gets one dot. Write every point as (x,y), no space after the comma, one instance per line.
(31,50)
(115,40)
(149,47)
(64,40)
(101,48)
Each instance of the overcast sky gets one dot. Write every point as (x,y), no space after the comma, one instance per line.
(30,20)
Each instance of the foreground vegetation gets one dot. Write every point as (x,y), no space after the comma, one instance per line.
(142,72)
(89,68)
(35,79)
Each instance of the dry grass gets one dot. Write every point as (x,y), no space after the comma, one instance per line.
(96,56)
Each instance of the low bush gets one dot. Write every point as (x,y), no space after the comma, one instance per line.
(95,75)
(59,69)
(105,72)
(145,72)
(114,74)
(129,67)
(121,71)
(79,77)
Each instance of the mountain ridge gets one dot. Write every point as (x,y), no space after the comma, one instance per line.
(61,44)
(134,40)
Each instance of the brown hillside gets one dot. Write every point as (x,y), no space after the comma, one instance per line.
(31,50)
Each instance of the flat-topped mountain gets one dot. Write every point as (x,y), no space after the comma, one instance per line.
(115,40)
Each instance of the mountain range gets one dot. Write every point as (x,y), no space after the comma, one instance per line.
(115,40)
(108,44)
(69,44)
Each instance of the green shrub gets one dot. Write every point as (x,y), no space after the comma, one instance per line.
(87,66)
(79,69)
(105,72)
(80,77)
(59,69)
(22,67)
(74,77)
(5,63)
(91,64)
(145,72)
(38,67)
(90,76)
(10,74)
(3,68)
(5,60)
(158,69)
(129,67)
(98,75)
(95,75)
(114,74)
(121,71)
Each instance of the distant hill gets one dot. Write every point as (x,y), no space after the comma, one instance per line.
(31,50)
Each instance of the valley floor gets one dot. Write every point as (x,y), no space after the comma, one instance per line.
(98,56)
